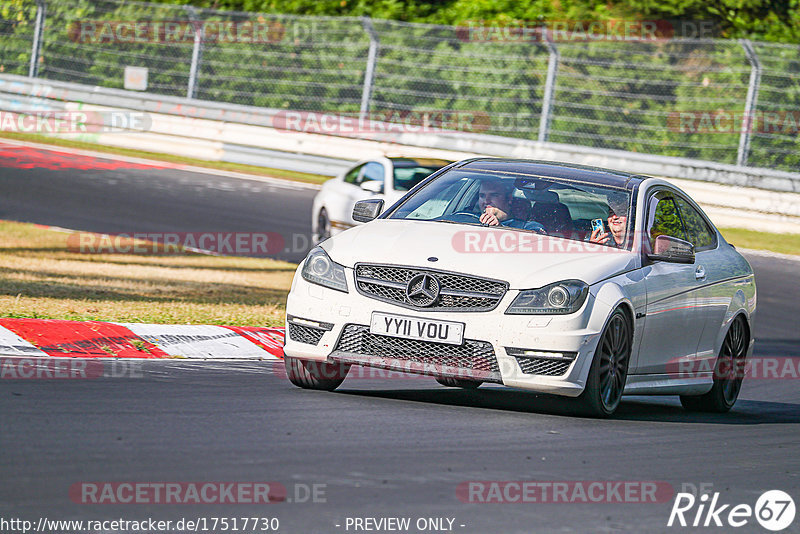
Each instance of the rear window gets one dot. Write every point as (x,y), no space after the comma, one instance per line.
(406,178)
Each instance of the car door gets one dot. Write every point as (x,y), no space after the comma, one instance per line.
(713,296)
(672,323)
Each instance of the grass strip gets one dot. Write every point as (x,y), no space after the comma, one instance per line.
(41,278)
(781,243)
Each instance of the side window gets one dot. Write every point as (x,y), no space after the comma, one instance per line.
(352,176)
(697,229)
(663,218)
(373,171)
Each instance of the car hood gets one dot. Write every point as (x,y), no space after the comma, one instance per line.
(524,259)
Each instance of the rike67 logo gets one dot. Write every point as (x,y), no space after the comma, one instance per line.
(774,510)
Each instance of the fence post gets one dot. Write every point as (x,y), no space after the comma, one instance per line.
(369,73)
(33,71)
(549,90)
(197,51)
(751,102)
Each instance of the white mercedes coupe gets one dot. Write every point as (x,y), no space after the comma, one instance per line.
(555,278)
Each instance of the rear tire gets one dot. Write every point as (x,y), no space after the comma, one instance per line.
(458,383)
(315,375)
(609,370)
(728,373)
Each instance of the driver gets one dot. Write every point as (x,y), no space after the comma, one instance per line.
(495,202)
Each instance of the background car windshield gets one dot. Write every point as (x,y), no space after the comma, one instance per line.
(407,177)
(551,206)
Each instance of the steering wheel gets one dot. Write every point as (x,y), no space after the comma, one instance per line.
(461,217)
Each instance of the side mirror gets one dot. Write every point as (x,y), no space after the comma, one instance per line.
(372,186)
(367,210)
(672,250)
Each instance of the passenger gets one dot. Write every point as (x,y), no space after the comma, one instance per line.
(617,223)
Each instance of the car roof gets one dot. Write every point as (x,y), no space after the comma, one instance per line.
(419,162)
(552,169)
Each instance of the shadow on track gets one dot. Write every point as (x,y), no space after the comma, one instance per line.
(664,409)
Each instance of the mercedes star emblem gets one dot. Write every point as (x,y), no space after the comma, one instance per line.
(422,290)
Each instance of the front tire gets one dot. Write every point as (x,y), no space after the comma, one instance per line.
(458,382)
(323,226)
(315,375)
(728,374)
(609,368)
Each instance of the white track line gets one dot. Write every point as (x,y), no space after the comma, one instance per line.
(198,341)
(13,345)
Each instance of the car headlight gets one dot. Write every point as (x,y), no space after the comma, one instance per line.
(559,298)
(320,269)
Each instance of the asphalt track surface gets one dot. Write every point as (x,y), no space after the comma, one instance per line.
(379,447)
(97,195)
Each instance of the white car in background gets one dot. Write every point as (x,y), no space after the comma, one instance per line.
(383,178)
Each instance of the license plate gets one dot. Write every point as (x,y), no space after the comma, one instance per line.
(416,328)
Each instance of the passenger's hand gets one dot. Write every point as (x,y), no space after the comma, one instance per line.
(599,236)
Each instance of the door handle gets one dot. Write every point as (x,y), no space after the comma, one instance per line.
(700,272)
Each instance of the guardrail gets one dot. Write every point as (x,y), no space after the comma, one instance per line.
(240,134)
(231,126)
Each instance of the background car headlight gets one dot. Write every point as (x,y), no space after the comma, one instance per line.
(559,298)
(320,269)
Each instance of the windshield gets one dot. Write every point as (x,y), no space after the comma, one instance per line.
(571,210)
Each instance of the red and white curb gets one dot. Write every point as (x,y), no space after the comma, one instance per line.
(42,338)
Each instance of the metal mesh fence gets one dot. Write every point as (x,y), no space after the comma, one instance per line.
(314,64)
(777,143)
(498,86)
(89,43)
(674,97)
(629,96)
(16,38)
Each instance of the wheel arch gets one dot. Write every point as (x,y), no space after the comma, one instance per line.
(733,314)
(610,297)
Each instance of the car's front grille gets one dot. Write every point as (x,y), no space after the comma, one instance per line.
(543,366)
(457,292)
(305,334)
(472,359)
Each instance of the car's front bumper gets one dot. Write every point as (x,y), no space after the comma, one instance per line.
(324,325)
